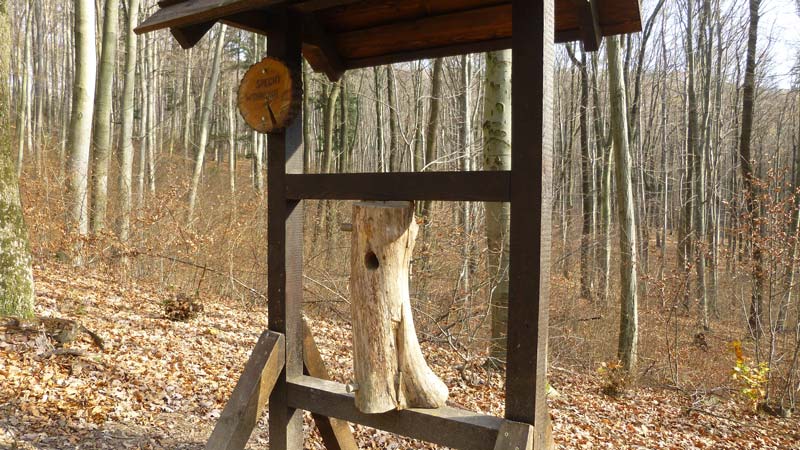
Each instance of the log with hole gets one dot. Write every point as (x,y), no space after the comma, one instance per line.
(390,370)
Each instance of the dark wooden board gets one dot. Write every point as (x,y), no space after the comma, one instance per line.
(285,246)
(445,426)
(531,203)
(444,186)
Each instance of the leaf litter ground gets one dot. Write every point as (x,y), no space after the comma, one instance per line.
(161,384)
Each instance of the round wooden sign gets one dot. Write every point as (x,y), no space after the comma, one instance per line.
(269,96)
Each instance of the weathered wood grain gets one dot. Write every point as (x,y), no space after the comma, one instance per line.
(389,367)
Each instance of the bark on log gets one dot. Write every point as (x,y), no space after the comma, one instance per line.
(390,370)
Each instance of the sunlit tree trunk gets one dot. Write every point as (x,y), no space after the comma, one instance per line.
(205,121)
(80,132)
(16,276)
(497,156)
(102,124)
(629,320)
(126,131)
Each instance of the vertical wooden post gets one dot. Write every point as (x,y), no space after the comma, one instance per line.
(285,245)
(529,271)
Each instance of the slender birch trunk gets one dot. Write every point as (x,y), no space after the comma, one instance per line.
(497,156)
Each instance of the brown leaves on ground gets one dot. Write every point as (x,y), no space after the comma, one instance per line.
(161,384)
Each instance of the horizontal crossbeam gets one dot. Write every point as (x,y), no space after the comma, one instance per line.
(443,186)
(450,427)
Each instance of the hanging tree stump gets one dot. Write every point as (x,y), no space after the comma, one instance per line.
(390,370)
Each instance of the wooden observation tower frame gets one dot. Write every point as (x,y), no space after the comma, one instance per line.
(337,35)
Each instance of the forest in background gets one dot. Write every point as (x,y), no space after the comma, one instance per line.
(713,182)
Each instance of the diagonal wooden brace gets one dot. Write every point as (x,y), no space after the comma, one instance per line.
(336,434)
(250,395)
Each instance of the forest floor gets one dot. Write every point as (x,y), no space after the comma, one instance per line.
(160,384)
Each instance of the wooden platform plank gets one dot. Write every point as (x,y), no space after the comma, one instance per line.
(451,427)
(246,404)
(443,186)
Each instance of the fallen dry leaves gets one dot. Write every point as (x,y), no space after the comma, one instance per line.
(161,384)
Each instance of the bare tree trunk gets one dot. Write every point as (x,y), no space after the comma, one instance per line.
(586,174)
(748,177)
(80,133)
(394,127)
(432,134)
(25,120)
(16,275)
(629,320)
(126,132)
(497,156)
(102,124)
(205,121)
(697,160)
(232,144)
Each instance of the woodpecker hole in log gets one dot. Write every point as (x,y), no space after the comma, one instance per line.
(371,261)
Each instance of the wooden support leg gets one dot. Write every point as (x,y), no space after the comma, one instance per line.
(522,436)
(531,198)
(285,245)
(336,434)
(250,395)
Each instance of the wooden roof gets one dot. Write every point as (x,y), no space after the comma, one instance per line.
(345,34)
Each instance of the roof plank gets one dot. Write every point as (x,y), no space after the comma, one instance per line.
(346,34)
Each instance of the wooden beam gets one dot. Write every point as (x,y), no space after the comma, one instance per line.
(444,186)
(515,436)
(199,11)
(336,434)
(531,204)
(249,397)
(591,34)
(190,35)
(481,24)
(316,41)
(285,244)
(445,426)
(430,52)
